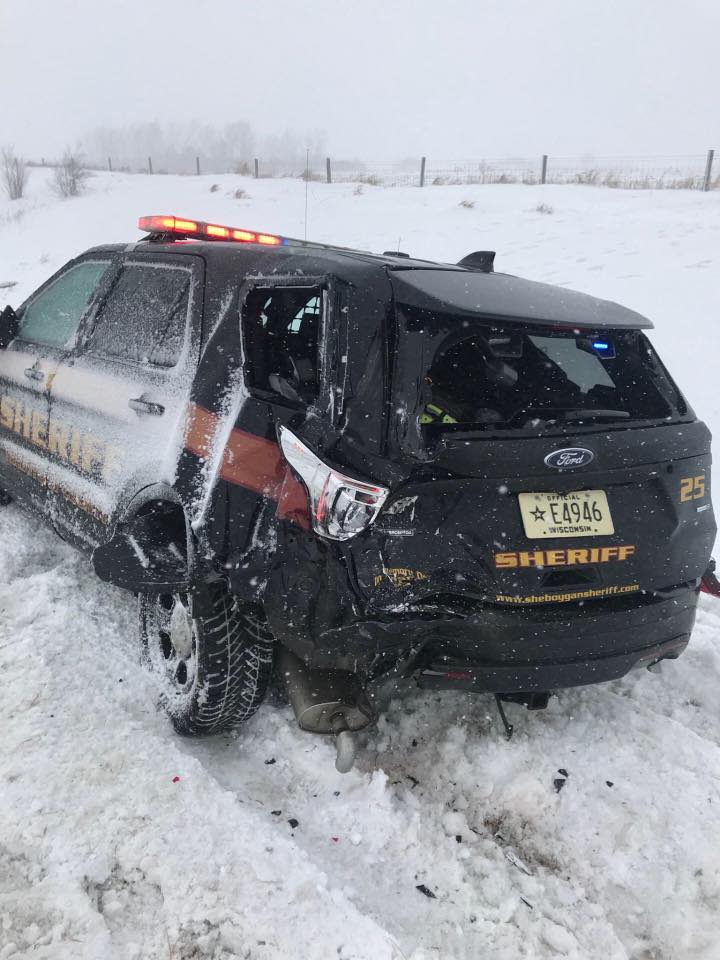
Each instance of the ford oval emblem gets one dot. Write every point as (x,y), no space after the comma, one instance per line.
(569,458)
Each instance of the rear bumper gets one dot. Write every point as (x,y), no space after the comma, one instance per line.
(532,650)
(531,678)
(512,649)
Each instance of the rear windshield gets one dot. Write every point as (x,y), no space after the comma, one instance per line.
(520,378)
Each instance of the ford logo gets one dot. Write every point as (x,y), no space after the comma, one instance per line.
(569,458)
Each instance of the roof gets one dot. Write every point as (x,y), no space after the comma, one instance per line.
(247,259)
(446,288)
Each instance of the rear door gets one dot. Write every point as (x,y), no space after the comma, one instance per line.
(232,429)
(49,324)
(125,391)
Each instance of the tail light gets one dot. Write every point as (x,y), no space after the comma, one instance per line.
(340,507)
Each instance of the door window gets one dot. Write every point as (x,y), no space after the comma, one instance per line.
(145,316)
(54,315)
(280,334)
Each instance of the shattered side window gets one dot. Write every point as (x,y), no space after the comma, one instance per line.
(145,317)
(280,328)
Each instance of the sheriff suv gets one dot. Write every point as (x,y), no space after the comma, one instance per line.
(342,466)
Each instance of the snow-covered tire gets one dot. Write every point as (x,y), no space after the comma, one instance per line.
(213,670)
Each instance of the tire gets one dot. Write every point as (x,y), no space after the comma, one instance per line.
(214,670)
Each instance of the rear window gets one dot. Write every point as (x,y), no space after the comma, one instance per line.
(521,378)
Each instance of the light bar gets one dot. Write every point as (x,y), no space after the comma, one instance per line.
(214,231)
(198,230)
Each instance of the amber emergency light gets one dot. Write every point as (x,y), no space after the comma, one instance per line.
(207,231)
(184,229)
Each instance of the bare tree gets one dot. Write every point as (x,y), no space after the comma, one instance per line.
(13,173)
(70,175)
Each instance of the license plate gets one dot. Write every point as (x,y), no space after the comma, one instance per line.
(584,513)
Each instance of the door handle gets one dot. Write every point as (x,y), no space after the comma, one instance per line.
(34,373)
(141,405)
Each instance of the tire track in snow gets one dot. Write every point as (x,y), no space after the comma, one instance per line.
(381,840)
(630,826)
(88,799)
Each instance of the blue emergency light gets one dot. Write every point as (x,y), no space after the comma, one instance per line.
(604,349)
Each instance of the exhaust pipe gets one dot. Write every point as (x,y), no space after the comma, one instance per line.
(326,701)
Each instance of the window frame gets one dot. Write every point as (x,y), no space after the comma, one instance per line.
(194,265)
(71,345)
(282,282)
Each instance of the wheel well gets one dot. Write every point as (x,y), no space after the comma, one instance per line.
(165,522)
(150,550)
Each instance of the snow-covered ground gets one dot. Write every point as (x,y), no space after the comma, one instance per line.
(118,840)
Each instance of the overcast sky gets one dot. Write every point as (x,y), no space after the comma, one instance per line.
(451,78)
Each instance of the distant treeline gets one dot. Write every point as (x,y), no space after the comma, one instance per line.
(174,147)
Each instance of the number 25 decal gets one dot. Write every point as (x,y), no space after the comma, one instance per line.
(692,488)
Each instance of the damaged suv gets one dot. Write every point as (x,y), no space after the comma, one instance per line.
(341,466)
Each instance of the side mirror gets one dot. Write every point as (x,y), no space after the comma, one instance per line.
(9,326)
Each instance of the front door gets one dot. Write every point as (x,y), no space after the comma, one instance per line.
(124,393)
(48,325)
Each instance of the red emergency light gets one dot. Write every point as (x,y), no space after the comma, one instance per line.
(208,231)
(186,231)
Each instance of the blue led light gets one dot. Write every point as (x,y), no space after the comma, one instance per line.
(600,345)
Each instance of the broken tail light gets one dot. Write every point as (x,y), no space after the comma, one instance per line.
(340,507)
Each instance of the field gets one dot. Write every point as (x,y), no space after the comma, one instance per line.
(119,841)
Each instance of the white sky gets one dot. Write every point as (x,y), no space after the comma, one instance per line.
(451,78)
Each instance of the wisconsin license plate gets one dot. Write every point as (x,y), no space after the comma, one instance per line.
(584,513)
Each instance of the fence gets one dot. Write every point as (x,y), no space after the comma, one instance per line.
(693,172)
(688,172)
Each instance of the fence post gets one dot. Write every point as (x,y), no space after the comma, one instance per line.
(256,169)
(543,170)
(150,165)
(329,172)
(422,171)
(110,164)
(708,169)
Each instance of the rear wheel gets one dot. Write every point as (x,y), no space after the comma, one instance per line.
(213,670)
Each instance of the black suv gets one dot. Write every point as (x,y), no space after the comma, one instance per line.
(341,466)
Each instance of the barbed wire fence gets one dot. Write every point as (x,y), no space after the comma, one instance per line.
(690,172)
